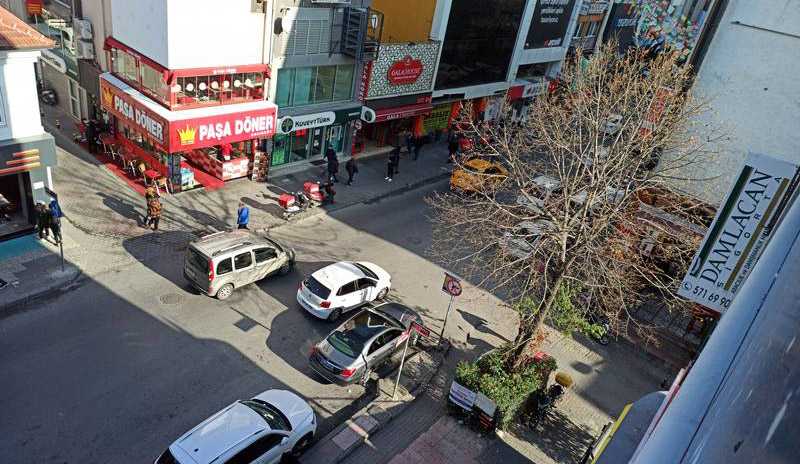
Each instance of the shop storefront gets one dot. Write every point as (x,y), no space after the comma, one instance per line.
(189,147)
(306,138)
(25,172)
(398,92)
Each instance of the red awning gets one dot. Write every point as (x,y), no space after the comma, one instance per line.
(401,112)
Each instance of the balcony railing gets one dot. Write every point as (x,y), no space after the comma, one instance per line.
(361,33)
(592,8)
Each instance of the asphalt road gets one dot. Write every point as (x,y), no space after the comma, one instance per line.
(118,368)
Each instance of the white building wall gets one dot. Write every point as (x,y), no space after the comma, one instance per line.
(98,12)
(20,103)
(750,74)
(182,34)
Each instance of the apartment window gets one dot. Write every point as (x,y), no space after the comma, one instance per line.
(314,85)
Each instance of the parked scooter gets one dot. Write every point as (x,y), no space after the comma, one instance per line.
(293,204)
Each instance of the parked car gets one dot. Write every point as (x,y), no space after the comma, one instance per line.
(263,429)
(341,287)
(350,353)
(521,241)
(538,192)
(477,174)
(221,262)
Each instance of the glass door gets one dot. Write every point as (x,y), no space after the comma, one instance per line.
(335,137)
(299,145)
(318,142)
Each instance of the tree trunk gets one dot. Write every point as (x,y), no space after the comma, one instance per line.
(527,337)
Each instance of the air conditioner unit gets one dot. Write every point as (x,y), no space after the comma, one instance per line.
(84,50)
(83,27)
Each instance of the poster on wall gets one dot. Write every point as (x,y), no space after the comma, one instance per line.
(621,25)
(549,24)
(740,231)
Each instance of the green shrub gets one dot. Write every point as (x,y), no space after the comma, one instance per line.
(509,391)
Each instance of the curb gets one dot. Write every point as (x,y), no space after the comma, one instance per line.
(9,308)
(367,415)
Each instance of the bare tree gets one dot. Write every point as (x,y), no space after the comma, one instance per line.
(566,207)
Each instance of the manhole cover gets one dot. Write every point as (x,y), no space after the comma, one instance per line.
(170,299)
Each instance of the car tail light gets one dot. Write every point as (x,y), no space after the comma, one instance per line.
(210,270)
(348,372)
(325,304)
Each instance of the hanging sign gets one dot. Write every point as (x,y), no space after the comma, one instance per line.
(736,238)
(405,71)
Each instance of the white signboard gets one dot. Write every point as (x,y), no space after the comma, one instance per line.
(738,234)
(289,124)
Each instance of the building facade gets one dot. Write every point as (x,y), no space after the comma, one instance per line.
(27,152)
(186,90)
(318,52)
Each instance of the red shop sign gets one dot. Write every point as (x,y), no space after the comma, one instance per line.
(216,130)
(405,71)
(125,108)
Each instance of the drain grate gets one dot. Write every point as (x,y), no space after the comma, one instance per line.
(170,299)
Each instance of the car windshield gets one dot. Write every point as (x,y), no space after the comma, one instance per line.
(272,415)
(367,272)
(355,333)
(275,244)
(316,287)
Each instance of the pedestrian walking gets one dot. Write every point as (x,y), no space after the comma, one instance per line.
(242,216)
(333,165)
(55,219)
(409,141)
(418,142)
(91,136)
(153,213)
(42,220)
(330,192)
(391,166)
(352,168)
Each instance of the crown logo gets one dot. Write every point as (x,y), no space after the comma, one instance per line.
(187,135)
(108,98)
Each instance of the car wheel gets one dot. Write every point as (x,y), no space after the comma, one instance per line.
(301,445)
(335,314)
(382,294)
(286,268)
(224,292)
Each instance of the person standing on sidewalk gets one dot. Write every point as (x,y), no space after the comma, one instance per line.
(55,219)
(352,168)
(42,220)
(333,165)
(409,141)
(418,141)
(153,213)
(391,166)
(91,136)
(242,216)
(452,146)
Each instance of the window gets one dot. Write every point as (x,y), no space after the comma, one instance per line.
(264,254)
(307,86)
(225,266)
(271,415)
(323,86)
(315,286)
(383,340)
(153,80)
(257,449)
(347,289)
(124,64)
(365,283)
(243,260)
(343,89)
(74,99)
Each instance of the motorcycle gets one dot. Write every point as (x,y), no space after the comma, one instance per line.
(545,401)
(294,203)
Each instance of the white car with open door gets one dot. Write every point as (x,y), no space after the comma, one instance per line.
(260,430)
(341,287)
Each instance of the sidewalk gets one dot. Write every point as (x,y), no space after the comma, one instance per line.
(100,204)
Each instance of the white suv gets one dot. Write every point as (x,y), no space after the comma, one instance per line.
(260,430)
(341,287)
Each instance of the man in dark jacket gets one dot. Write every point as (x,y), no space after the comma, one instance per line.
(333,165)
(352,169)
(418,141)
(452,146)
(391,167)
(55,219)
(42,220)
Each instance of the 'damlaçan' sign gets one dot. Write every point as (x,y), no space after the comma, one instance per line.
(405,71)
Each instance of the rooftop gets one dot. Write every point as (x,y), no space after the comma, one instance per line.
(15,34)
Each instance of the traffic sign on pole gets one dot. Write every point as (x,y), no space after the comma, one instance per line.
(451,285)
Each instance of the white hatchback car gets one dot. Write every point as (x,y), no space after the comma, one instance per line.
(342,286)
(261,430)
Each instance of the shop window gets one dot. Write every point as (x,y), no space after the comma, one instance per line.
(153,80)
(124,64)
(284,90)
(323,85)
(215,90)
